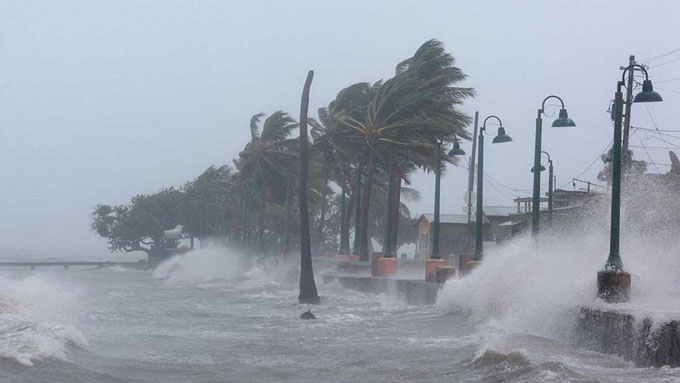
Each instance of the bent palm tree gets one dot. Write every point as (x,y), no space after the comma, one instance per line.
(267,159)
(413,110)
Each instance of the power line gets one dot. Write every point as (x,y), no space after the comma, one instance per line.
(592,163)
(669,90)
(662,55)
(669,80)
(664,63)
(649,155)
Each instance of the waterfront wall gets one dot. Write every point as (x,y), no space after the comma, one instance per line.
(410,291)
(643,340)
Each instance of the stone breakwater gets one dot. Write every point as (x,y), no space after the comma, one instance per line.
(642,339)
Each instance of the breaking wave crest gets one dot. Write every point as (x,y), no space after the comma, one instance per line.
(202,265)
(37,319)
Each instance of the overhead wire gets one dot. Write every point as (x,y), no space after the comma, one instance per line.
(659,56)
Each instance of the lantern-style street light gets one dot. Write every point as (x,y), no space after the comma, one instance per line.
(613,284)
(562,121)
(550,185)
(500,138)
(357,210)
(455,151)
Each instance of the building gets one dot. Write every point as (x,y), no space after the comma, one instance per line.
(456,236)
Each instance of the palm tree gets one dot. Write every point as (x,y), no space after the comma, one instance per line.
(413,110)
(308,293)
(266,161)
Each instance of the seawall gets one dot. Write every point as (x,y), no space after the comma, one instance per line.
(636,337)
(410,291)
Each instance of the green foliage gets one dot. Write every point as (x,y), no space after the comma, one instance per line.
(407,114)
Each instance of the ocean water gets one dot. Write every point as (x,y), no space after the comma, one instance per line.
(212,317)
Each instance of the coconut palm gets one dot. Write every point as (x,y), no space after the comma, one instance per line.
(266,161)
(308,292)
(413,110)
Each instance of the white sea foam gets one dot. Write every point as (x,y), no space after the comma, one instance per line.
(37,318)
(202,265)
(535,286)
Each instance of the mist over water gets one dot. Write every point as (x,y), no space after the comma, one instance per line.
(218,314)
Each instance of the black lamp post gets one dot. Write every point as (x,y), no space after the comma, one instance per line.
(561,122)
(499,139)
(613,284)
(550,185)
(455,151)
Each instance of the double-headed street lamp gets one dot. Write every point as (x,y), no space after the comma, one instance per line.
(455,151)
(613,284)
(500,138)
(550,184)
(562,121)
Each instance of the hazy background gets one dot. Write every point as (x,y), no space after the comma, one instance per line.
(101,100)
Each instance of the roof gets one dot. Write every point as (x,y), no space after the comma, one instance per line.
(499,211)
(454,219)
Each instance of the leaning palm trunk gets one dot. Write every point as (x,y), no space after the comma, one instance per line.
(363,226)
(308,293)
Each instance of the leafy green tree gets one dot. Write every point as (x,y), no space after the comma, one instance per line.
(138,226)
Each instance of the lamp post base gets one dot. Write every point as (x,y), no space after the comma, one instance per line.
(387,267)
(443,273)
(431,268)
(613,286)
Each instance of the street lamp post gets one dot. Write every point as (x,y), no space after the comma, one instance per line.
(501,137)
(550,188)
(357,212)
(435,258)
(387,248)
(550,184)
(613,284)
(562,121)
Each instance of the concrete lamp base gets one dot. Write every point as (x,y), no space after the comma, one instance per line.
(613,286)
(431,269)
(443,273)
(342,258)
(471,265)
(387,267)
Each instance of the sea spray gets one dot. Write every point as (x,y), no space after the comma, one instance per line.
(536,285)
(38,318)
(203,265)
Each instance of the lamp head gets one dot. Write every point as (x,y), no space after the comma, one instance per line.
(456,150)
(540,168)
(648,94)
(501,137)
(563,121)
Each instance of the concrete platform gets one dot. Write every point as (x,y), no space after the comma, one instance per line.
(636,337)
(410,291)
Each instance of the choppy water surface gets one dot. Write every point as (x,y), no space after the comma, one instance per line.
(207,318)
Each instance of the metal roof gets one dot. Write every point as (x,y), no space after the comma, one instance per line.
(459,219)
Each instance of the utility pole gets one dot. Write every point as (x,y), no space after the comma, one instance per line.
(626,123)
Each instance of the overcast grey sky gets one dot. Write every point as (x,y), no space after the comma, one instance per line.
(100,100)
